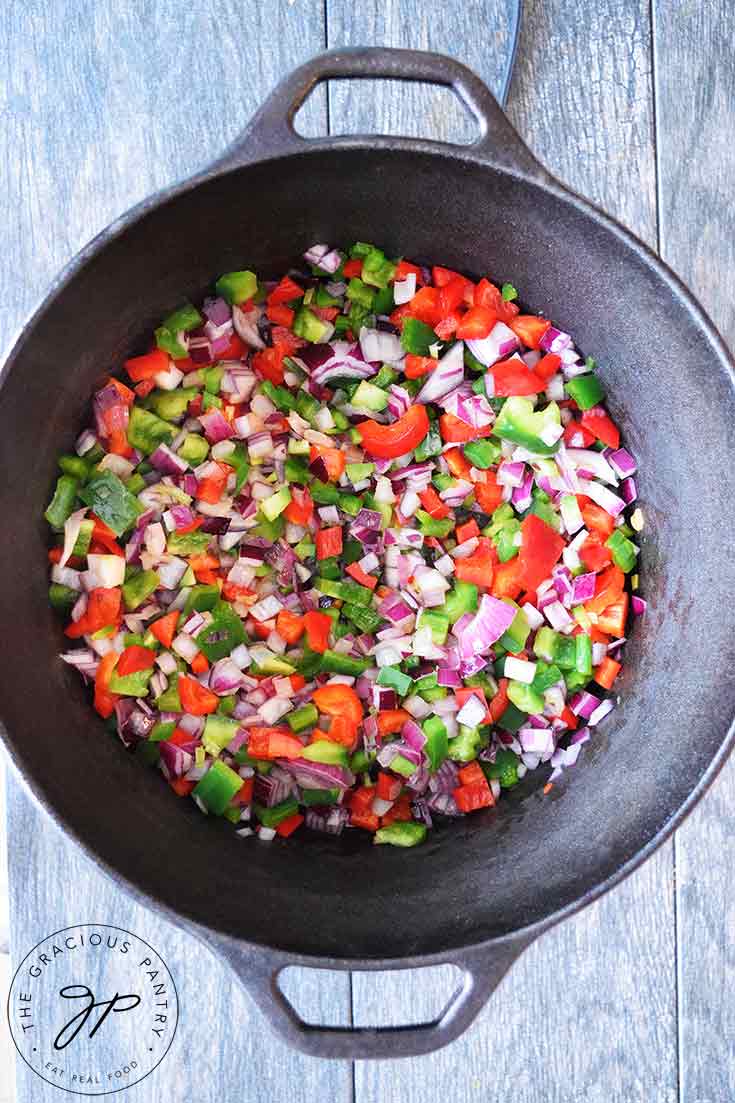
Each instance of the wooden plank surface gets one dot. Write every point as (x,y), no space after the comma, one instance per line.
(93,122)
(695,107)
(101,105)
(590,1011)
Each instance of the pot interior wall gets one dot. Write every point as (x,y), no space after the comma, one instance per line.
(671,392)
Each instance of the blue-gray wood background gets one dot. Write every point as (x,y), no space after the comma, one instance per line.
(631,102)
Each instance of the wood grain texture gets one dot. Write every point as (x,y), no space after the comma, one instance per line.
(582,98)
(475,32)
(696,163)
(95,118)
(222,1039)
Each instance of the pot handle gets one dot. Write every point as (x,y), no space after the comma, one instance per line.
(482,970)
(271,133)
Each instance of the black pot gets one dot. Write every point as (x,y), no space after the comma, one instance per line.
(482,888)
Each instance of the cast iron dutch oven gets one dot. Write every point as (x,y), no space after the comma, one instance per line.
(482,888)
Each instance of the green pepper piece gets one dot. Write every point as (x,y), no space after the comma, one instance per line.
(62,504)
(624,551)
(167,405)
(367,620)
(360,294)
(377,270)
(306,405)
(303,719)
(131,685)
(138,587)
(351,504)
(326,752)
(213,379)
(183,319)
(109,498)
(474,364)
(146,431)
(169,700)
(76,466)
(306,324)
(351,592)
(520,423)
(219,731)
(309,663)
(438,622)
(525,698)
(436,747)
(162,730)
(271,817)
(482,453)
(297,470)
(394,678)
(187,543)
(401,833)
(324,494)
(211,402)
(465,746)
(514,638)
(433,526)
(84,538)
(62,598)
(237,287)
(586,390)
(512,719)
(335,663)
(225,632)
(170,343)
(546,675)
(504,769)
(583,654)
(461,599)
(383,303)
(218,786)
(417,337)
(320,796)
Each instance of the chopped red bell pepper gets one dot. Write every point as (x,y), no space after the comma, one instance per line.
(329,542)
(433,504)
(599,423)
(318,626)
(529,328)
(540,550)
(399,438)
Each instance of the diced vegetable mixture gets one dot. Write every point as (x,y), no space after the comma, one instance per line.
(350,549)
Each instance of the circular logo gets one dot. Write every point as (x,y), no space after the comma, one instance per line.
(93,1009)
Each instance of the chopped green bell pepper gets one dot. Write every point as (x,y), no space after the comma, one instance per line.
(333,662)
(223,634)
(109,498)
(465,746)
(417,337)
(237,287)
(395,679)
(62,504)
(436,747)
(586,390)
(302,719)
(138,587)
(62,598)
(131,685)
(351,592)
(525,698)
(218,786)
(430,446)
(461,599)
(482,453)
(624,551)
(504,769)
(76,466)
(218,732)
(146,430)
(187,543)
(401,833)
(520,423)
